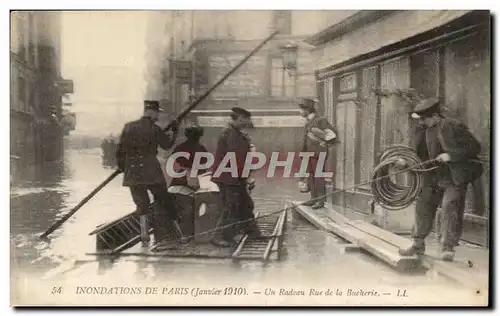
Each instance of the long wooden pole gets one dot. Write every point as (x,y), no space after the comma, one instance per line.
(82,203)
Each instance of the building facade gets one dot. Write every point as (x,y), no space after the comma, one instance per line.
(36,113)
(444,54)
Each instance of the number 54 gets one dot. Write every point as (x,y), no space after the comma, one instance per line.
(56,290)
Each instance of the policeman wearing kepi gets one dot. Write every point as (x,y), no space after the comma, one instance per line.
(136,157)
(235,189)
(319,135)
(455,151)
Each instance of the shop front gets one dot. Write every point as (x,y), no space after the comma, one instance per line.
(444,54)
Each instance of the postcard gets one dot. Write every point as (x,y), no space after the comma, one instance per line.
(250,158)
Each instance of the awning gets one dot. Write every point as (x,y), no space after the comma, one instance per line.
(381,33)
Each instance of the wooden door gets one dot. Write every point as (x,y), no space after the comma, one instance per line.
(395,127)
(367,115)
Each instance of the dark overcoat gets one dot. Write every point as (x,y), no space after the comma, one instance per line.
(137,151)
(453,137)
(310,145)
(234,141)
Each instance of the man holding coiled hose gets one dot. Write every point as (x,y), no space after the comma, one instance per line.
(453,148)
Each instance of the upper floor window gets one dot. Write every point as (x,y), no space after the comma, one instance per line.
(282,21)
(282,85)
(32,39)
(19,34)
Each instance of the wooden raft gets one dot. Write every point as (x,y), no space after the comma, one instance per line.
(380,243)
(260,249)
(120,234)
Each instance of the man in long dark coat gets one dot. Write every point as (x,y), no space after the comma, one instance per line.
(238,203)
(136,156)
(191,146)
(455,151)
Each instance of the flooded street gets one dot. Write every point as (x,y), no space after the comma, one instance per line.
(311,255)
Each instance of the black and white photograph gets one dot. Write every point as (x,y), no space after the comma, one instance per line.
(250,157)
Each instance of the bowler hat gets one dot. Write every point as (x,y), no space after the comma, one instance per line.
(152,105)
(427,107)
(307,103)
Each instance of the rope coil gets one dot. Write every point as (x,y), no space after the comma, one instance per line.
(395,196)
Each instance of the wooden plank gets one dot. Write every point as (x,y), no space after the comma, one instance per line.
(451,271)
(383,234)
(129,243)
(276,233)
(240,247)
(104,226)
(278,243)
(381,249)
(311,216)
(374,245)
(238,250)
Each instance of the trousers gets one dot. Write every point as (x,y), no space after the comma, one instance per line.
(317,185)
(452,198)
(141,197)
(238,206)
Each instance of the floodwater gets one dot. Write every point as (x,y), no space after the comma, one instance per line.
(312,256)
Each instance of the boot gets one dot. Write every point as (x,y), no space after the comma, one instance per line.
(318,205)
(221,242)
(308,203)
(252,230)
(417,248)
(144,230)
(447,254)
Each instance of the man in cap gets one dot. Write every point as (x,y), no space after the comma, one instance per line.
(136,156)
(235,189)
(319,135)
(454,151)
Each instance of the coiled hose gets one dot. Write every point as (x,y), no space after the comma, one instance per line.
(393,196)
